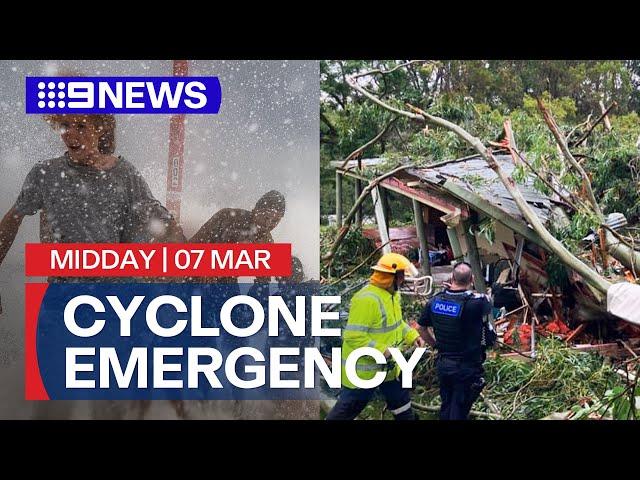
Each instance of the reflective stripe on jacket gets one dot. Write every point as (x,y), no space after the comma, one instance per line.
(375,320)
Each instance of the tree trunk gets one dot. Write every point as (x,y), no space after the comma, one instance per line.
(607,123)
(621,252)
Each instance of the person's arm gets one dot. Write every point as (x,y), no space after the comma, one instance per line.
(9,226)
(29,201)
(427,335)
(149,214)
(260,287)
(424,326)
(174,233)
(410,336)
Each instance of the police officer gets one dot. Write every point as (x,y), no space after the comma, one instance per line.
(462,324)
(375,320)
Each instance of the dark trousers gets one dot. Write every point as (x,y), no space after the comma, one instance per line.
(460,385)
(353,400)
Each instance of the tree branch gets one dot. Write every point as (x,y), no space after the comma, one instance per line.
(325,120)
(511,139)
(619,237)
(377,71)
(622,251)
(353,84)
(361,149)
(600,118)
(553,126)
(548,183)
(400,134)
(573,130)
(354,269)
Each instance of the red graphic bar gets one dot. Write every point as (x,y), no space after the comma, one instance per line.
(34,388)
(158,259)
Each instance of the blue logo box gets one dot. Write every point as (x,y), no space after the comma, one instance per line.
(443,307)
(131,95)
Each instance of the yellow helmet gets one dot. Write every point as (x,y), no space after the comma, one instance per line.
(392,262)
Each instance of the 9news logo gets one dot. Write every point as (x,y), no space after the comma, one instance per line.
(49,95)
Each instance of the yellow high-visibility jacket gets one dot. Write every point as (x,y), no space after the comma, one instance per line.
(375,320)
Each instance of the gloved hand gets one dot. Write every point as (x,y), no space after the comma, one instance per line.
(477,386)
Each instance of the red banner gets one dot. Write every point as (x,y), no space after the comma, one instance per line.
(34,388)
(157,259)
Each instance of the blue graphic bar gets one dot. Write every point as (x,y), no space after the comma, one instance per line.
(131,95)
(148,341)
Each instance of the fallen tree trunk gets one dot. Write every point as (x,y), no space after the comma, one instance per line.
(621,252)
(595,280)
(615,302)
(552,243)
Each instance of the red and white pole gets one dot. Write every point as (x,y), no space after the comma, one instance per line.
(175,166)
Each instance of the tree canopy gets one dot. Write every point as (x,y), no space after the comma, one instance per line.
(479,95)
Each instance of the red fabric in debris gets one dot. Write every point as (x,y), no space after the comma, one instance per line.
(523,335)
(557,326)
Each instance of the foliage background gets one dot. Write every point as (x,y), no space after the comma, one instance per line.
(479,95)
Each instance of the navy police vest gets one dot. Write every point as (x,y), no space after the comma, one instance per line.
(446,318)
